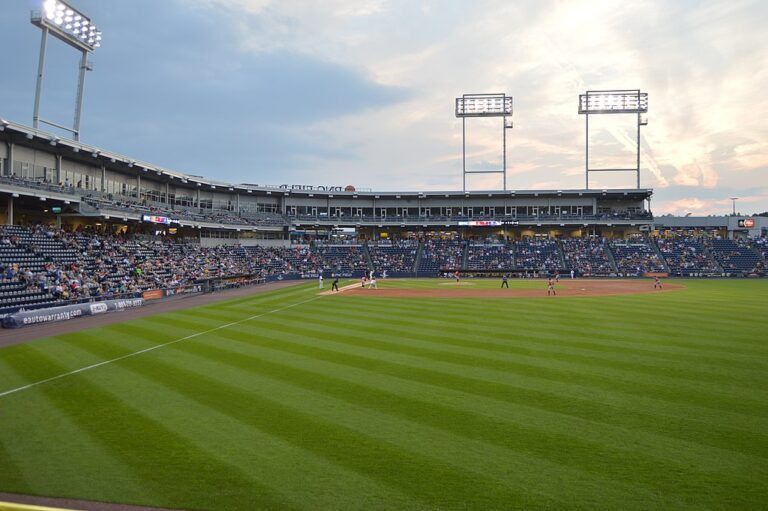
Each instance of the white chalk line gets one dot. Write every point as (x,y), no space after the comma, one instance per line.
(152,348)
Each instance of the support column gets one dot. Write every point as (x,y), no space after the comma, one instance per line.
(103,178)
(586,149)
(9,214)
(9,171)
(58,221)
(237,202)
(138,187)
(40,73)
(80,90)
(57,178)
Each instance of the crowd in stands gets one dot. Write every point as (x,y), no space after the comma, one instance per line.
(686,256)
(216,216)
(636,256)
(343,260)
(440,254)
(587,256)
(490,256)
(538,254)
(394,257)
(735,256)
(42,265)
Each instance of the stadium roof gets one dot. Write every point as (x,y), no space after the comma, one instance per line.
(117,162)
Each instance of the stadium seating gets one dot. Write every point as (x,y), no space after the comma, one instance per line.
(687,256)
(440,254)
(587,256)
(43,266)
(394,257)
(635,257)
(344,260)
(735,257)
(538,255)
(490,256)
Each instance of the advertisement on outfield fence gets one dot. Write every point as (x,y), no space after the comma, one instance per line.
(67,312)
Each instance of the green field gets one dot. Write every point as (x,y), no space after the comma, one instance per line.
(656,401)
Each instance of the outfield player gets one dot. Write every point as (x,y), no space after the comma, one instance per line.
(335,285)
(657,283)
(456,274)
(551,288)
(504,281)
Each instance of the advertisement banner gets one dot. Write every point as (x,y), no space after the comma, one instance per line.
(67,312)
(153,294)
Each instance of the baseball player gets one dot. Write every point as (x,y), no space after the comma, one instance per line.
(504,281)
(551,288)
(320,280)
(335,285)
(657,283)
(373,285)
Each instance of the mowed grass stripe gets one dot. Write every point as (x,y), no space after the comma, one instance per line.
(599,404)
(282,326)
(410,473)
(246,353)
(267,458)
(443,395)
(137,433)
(404,454)
(40,421)
(376,345)
(314,381)
(590,322)
(507,345)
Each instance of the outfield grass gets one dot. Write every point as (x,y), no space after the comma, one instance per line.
(656,401)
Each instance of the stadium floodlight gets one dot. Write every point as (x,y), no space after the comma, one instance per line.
(66,23)
(484,105)
(626,101)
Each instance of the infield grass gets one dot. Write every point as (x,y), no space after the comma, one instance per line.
(655,401)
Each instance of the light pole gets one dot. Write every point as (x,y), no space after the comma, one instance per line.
(734,199)
(629,101)
(484,105)
(64,22)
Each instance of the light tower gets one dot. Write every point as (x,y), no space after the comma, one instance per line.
(71,26)
(614,102)
(484,105)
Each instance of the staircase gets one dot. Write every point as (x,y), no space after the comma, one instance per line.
(368,258)
(418,259)
(712,258)
(611,258)
(659,253)
(561,254)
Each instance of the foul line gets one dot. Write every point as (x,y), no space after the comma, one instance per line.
(152,348)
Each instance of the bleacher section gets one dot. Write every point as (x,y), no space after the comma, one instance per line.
(538,255)
(394,258)
(734,257)
(343,260)
(635,257)
(687,257)
(40,266)
(439,254)
(587,256)
(496,256)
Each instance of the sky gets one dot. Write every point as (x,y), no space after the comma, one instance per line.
(362,92)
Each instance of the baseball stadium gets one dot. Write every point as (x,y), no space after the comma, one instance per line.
(180,340)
